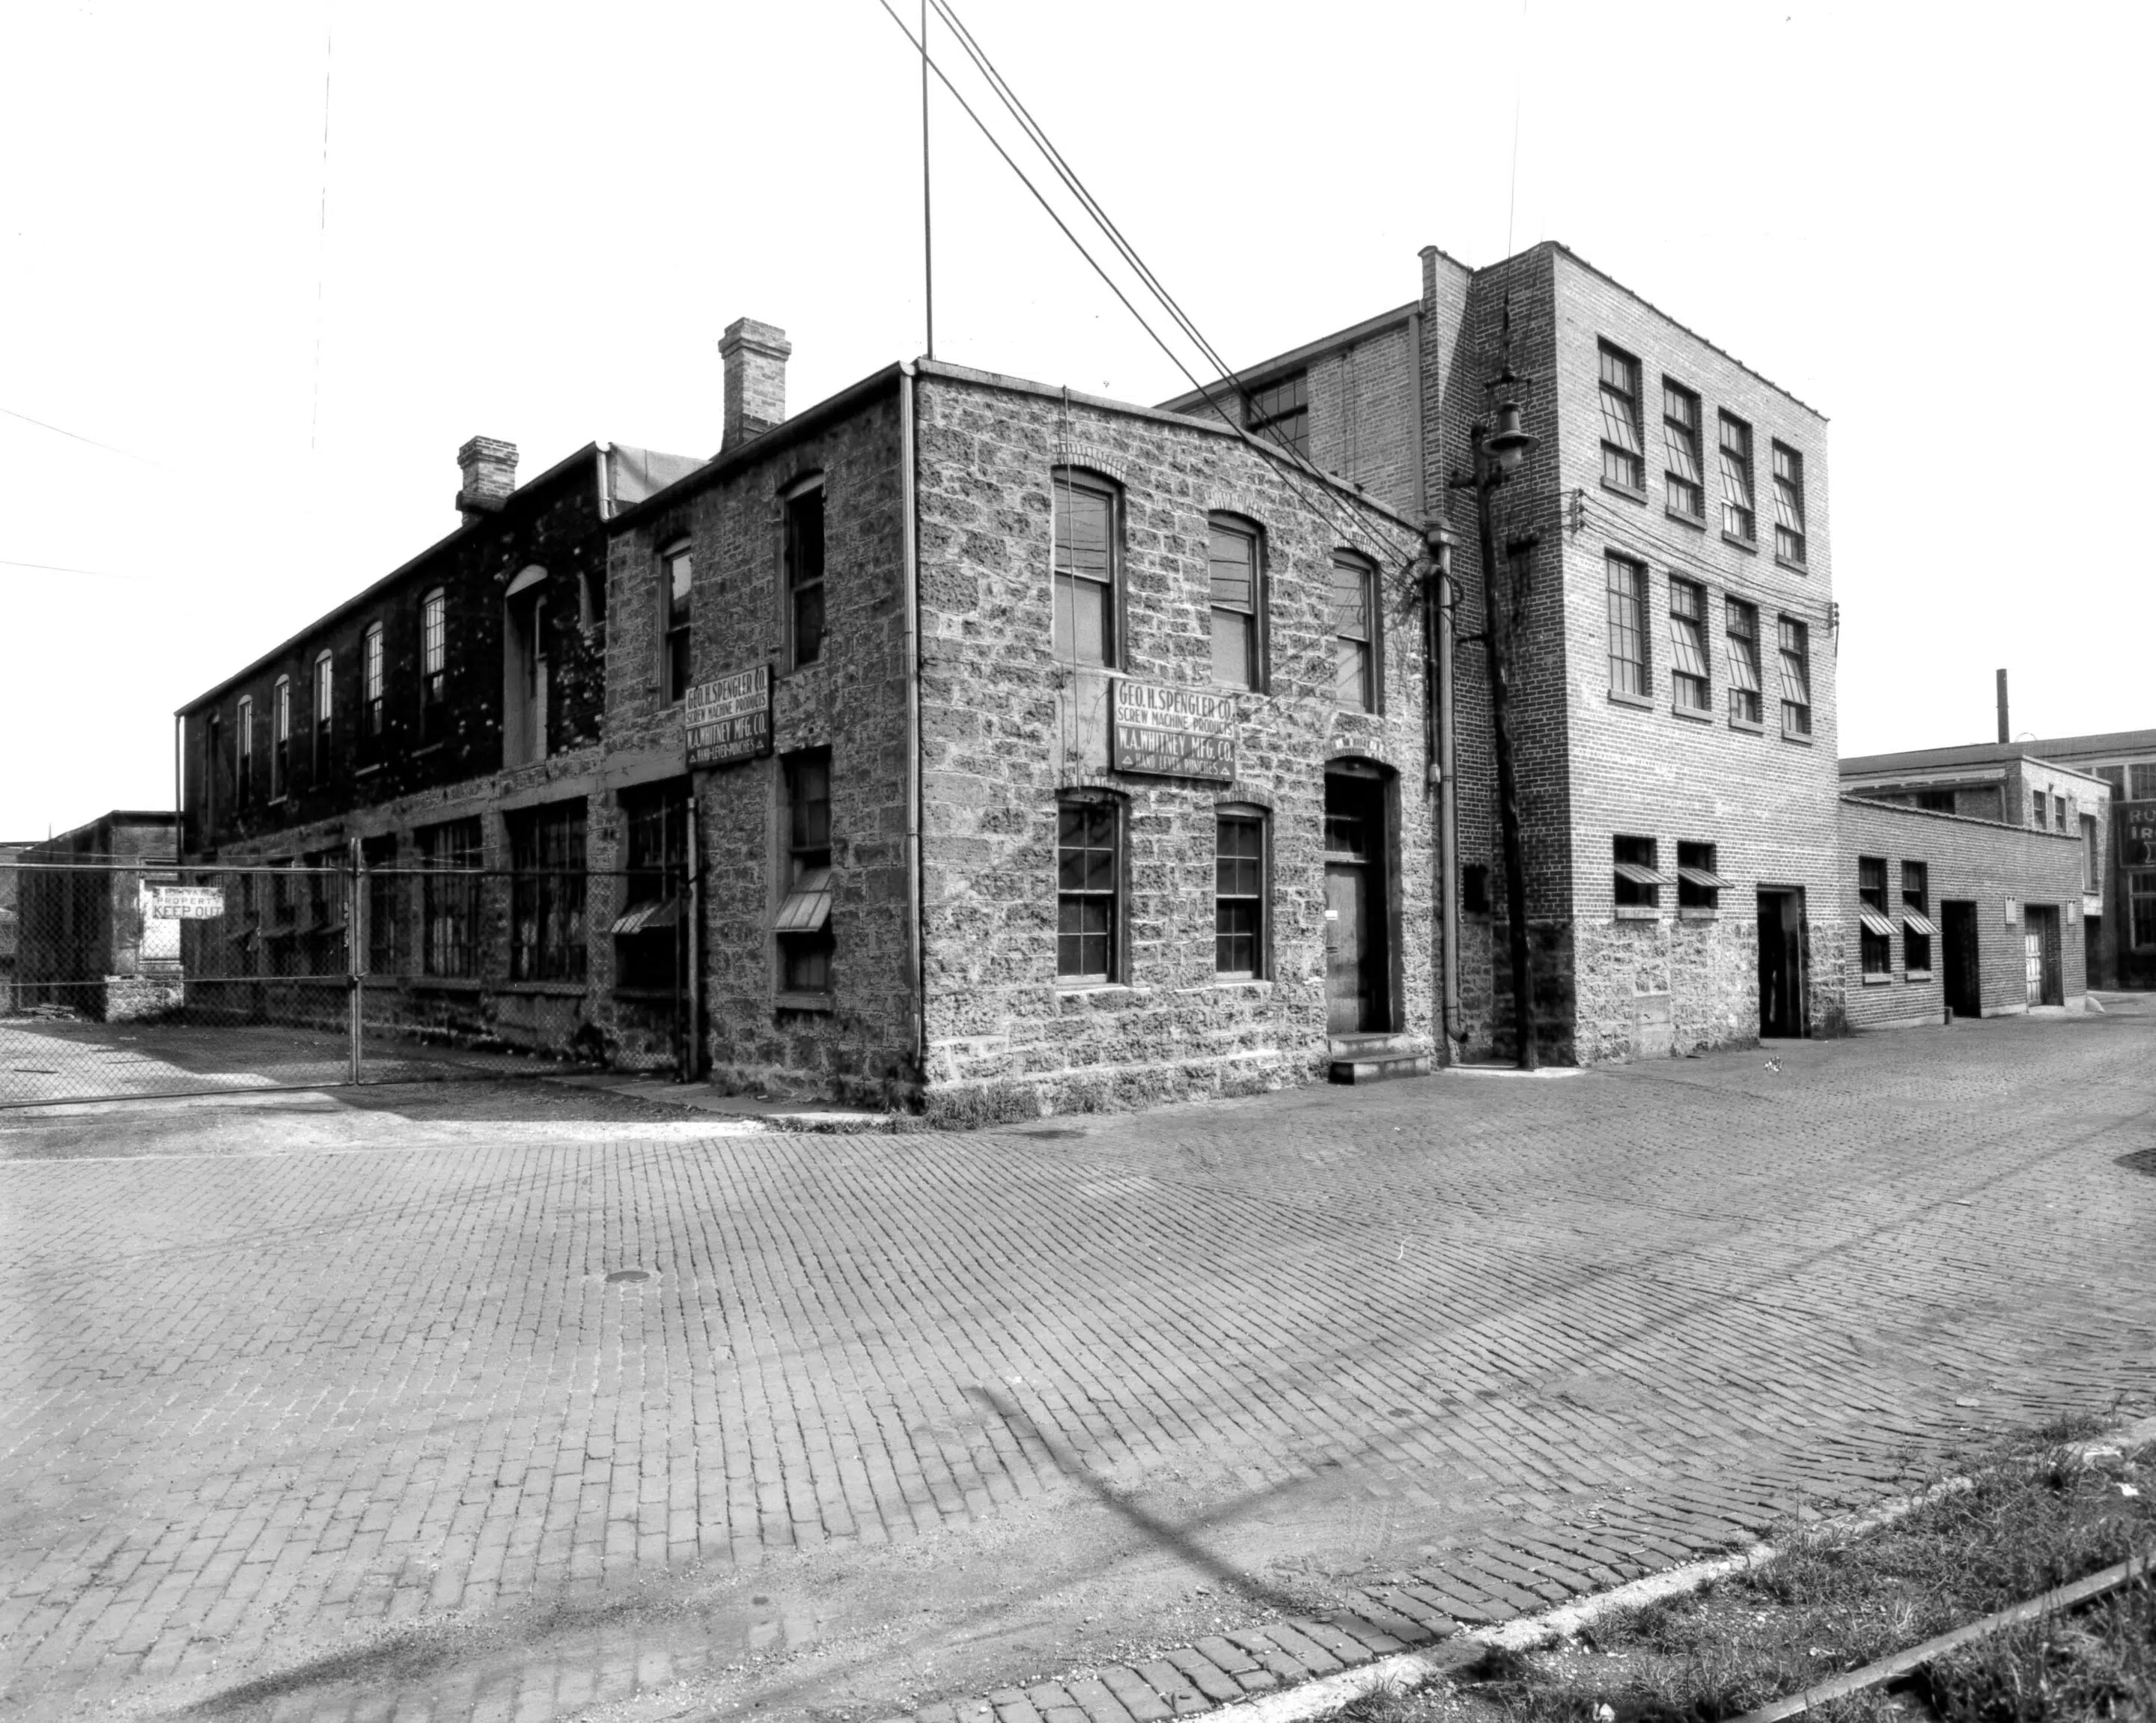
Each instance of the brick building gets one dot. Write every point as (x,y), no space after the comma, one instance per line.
(1667,552)
(1957,913)
(2008,784)
(447,719)
(1052,751)
(84,939)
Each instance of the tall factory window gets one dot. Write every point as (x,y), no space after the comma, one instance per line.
(1624,456)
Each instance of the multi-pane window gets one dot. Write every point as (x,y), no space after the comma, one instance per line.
(450,898)
(377,855)
(1354,618)
(1739,520)
(1282,411)
(1796,678)
(1639,882)
(1628,626)
(2141,783)
(1085,558)
(281,737)
(1238,899)
(1680,472)
(433,663)
(1688,677)
(371,677)
(1699,887)
(1086,879)
(1917,925)
(1936,800)
(1875,932)
(805,917)
(2059,813)
(324,710)
(1742,627)
(2114,776)
(243,727)
(2036,809)
(677,575)
(1789,503)
(649,932)
(804,573)
(2141,906)
(1232,564)
(1624,456)
(546,893)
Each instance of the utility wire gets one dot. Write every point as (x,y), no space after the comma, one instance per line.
(1038,137)
(1270,453)
(77,437)
(322,245)
(1614,525)
(56,568)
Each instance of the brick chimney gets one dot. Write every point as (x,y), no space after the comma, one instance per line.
(489,466)
(755,355)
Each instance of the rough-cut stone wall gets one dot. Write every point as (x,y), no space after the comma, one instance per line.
(1005,728)
(1971,861)
(856,1045)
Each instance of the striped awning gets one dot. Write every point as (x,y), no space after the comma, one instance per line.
(1640,874)
(648,918)
(1874,922)
(1704,880)
(808,906)
(1918,922)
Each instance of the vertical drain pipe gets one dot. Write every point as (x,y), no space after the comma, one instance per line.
(909,530)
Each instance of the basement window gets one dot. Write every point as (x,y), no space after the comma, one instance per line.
(1699,887)
(1639,882)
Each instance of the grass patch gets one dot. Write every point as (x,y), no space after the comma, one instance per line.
(2040,1515)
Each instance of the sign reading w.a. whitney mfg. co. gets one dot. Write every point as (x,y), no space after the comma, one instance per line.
(729,719)
(1176,732)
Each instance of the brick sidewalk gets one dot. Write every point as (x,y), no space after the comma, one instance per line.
(898,1419)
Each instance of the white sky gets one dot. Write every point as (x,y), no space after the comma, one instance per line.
(1926,221)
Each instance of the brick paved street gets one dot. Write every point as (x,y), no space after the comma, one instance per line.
(357,1425)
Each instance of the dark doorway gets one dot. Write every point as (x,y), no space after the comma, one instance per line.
(1781,961)
(1358,946)
(2040,929)
(1964,978)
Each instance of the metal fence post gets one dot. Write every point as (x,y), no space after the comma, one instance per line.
(354,946)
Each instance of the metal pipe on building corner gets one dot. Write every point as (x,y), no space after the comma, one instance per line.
(692,1053)
(1439,621)
(909,529)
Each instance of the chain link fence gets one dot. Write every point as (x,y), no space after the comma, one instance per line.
(126,978)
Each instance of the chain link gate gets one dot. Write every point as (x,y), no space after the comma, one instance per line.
(131,979)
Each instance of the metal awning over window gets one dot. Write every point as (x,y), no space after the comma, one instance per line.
(1704,880)
(1874,922)
(808,906)
(1917,922)
(648,918)
(1640,874)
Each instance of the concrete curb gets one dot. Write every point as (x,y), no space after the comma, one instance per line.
(1407,1670)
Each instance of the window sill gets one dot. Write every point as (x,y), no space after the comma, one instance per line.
(1679,515)
(1694,914)
(1623,491)
(366,771)
(802,1001)
(1748,726)
(1750,545)
(1917,975)
(571,988)
(447,983)
(1234,983)
(1637,912)
(1619,698)
(1697,714)
(1791,735)
(1782,561)
(1878,981)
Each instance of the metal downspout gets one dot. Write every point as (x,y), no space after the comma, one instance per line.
(909,528)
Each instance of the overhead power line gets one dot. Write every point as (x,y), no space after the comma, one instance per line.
(77,437)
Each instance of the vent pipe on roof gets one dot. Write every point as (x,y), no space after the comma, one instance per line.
(2004,734)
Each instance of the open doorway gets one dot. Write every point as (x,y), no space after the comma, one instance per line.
(1965,977)
(2040,935)
(1358,956)
(1781,961)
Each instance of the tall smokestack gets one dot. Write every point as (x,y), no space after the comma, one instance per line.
(2004,734)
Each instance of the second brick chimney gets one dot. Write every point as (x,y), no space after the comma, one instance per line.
(755,355)
(489,466)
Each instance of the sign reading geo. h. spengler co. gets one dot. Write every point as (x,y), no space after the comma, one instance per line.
(1174,732)
(729,719)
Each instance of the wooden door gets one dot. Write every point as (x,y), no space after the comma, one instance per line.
(1346,948)
(2032,952)
(1357,945)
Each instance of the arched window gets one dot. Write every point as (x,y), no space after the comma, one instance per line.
(1088,569)
(1355,686)
(371,676)
(677,580)
(433,663)
(243,730)
(280,738)
(325,711)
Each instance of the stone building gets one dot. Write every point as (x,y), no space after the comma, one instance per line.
(85,938)
(1049,751)
(1668,558)
(1959,913)
(445,721)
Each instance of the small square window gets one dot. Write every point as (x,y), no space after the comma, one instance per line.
(1639,882)
(1699,885)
